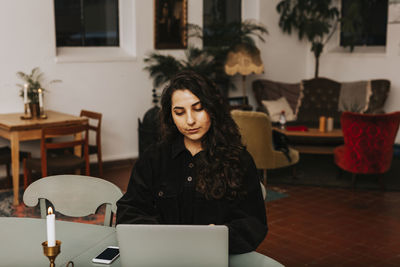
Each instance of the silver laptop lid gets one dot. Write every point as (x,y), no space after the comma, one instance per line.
(173,245)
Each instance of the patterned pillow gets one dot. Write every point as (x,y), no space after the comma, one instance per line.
(319,97)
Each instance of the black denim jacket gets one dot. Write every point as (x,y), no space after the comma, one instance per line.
(161,190)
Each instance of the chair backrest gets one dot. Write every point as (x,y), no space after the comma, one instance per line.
(256,130)
(96,117)
(252,259)
(74,195)
(369,139)
(50,140)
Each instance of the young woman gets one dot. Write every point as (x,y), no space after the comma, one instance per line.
(200,173)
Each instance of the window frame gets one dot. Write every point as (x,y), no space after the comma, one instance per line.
(126,51)
(362,47)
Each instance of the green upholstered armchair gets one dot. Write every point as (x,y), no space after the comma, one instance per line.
(256,130)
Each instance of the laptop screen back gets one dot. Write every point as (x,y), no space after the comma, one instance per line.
(173,245)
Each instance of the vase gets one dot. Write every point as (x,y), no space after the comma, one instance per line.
(35,110)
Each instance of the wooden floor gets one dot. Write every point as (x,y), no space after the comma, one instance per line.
(317,226)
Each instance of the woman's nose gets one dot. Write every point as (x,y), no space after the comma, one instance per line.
(189,119)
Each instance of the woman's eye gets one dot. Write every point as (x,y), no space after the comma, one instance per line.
(179,113)
(198,108)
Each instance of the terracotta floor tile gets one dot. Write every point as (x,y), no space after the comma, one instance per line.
(320,226)
(334,227)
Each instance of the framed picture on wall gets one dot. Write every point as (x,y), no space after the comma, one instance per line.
(170,24)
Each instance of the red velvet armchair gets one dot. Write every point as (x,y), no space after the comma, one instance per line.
(368,143)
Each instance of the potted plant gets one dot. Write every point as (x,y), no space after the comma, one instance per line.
(33,82)
(312,19)
(208,61)
(223,38)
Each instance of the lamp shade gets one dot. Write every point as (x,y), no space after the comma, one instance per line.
(244,60)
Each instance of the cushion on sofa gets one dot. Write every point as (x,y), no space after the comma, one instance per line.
(271,90)
(275,107)
(380,90)
(354,96)
(319,97)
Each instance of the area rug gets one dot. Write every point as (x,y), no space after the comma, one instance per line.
(7,209)
(275,193)
(320,170)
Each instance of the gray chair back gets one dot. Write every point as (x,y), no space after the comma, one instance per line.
(74,195)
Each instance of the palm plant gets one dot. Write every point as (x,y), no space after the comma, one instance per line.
(208,61)
(163,67)
(313,19)
(222,38)
(34,81)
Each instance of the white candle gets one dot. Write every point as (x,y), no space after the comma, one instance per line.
(51,228)
(25,93)
(40,97)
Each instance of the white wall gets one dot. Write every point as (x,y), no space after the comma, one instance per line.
(121,90)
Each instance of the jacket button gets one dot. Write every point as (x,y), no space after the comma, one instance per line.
(191,165)
(160,194)
(189,179)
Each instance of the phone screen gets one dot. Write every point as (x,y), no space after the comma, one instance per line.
(107,256)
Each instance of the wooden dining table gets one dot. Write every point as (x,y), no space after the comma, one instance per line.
(15,129)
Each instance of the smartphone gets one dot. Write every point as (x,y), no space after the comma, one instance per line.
(107,256)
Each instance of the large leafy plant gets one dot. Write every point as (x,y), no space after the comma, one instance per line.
(314,20)
(163,67)
(34,80)
(208,61)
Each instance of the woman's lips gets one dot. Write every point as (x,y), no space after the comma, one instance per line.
(192,131)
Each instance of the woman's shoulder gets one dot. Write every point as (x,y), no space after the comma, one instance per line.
(244,153)
(245,157)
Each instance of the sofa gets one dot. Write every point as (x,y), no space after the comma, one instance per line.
(310,99)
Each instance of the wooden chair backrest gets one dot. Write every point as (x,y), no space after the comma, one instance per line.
(48,142)
(94,116)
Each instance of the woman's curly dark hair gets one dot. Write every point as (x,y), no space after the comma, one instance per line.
(219,171)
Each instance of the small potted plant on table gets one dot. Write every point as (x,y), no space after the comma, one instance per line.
(32,91)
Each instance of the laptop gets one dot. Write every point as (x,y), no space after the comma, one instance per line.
(173,245)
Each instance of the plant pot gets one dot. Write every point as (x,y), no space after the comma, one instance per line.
(35,110)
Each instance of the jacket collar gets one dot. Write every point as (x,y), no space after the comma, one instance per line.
(178,146)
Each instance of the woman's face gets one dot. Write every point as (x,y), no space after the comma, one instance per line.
(189,116)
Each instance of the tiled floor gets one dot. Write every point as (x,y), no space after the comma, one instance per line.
(333,227)
(317,226)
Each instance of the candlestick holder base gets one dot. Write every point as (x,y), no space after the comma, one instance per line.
(43,116)
(52,252)
(26,117)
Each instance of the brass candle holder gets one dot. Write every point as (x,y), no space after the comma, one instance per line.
(42,114)
(52,252)
(27,113)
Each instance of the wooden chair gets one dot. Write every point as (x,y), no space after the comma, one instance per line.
(5,159)
(256,130)
(56,138)
(95,149)
(74,195)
